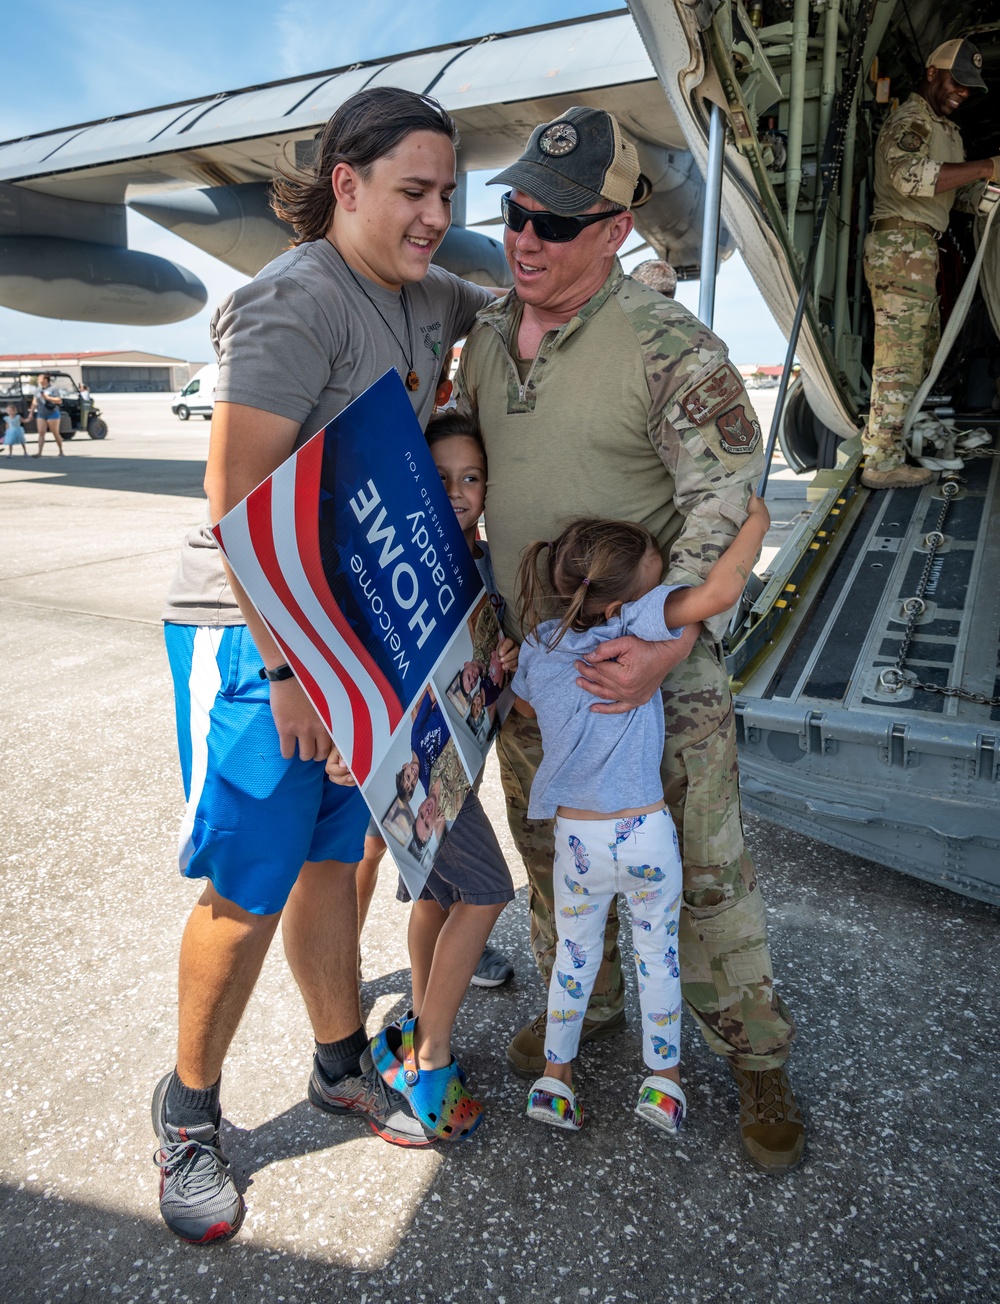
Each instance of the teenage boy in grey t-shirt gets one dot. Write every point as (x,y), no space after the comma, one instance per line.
(355,296)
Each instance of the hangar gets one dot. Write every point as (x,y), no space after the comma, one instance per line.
(116,371)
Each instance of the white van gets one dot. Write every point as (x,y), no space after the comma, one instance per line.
(197,398)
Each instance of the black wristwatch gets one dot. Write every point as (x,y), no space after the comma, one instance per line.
(276,675)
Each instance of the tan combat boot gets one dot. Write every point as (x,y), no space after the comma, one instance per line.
(526,1052)
(771,1126)
(898,477)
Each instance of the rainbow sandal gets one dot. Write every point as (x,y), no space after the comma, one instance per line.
(662,1103)
(437,1096)
(553,1102)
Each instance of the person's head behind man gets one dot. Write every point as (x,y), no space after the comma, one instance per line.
(658,275)
(954,70)
(577,166)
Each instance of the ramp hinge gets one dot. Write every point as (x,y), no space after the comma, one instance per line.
(812,739)
(894,750)
(984,764)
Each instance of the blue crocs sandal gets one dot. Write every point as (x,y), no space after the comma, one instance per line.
(437,1096)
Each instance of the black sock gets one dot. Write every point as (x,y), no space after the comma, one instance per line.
(338,1059)
(187,1107)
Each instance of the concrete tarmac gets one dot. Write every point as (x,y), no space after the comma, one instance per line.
(893,984)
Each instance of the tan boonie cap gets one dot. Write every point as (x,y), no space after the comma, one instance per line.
(963,60)
(573,162)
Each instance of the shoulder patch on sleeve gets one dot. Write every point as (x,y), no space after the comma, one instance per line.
(910,142)
(738,430)
(715,393)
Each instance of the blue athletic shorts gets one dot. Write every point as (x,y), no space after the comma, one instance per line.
(252,818)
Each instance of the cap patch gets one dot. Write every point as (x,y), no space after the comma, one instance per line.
(559,139)
(739,432)
(715,393)
(977,60)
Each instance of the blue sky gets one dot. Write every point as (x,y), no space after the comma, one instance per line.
(108,57)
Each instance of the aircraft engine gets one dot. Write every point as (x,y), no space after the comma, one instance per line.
(671,218)
(232,223)
(474,256)
(236,225)
(68,258)
(80,281)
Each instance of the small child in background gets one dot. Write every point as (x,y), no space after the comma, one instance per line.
(470,883)
(13,431)
(452,434)
(600,778)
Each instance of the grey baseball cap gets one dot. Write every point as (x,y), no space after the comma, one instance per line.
(963,60)
(575,161)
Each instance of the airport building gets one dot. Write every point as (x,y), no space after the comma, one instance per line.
(119,371)
(757,375)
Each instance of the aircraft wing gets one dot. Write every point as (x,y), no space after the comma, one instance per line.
(493,87)
(201,167)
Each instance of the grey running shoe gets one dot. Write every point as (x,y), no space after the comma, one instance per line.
(493,969)
(383,1109)
(198,1198)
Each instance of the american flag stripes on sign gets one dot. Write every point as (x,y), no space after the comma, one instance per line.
(354,558)
(272,542)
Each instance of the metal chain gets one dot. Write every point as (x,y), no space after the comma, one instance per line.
(895,677)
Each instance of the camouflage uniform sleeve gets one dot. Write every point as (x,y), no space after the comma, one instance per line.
(904,145)
(486,635)
(707,434)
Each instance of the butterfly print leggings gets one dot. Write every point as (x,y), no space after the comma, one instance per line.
(637,856)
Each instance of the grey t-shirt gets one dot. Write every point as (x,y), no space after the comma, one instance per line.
(303,341)
(601,763)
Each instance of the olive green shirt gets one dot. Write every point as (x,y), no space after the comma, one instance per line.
(630,410)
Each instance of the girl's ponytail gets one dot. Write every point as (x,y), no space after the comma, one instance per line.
(531,597)
(573,617)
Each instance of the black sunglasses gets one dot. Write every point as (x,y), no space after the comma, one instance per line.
(551,227)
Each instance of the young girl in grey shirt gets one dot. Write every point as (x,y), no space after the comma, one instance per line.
(600,778)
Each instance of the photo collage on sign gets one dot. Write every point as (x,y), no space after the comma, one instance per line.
(436,753)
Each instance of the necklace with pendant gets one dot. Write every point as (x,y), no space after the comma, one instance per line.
(412,381)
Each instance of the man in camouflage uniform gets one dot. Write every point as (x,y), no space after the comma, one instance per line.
(598,396)
(919,169)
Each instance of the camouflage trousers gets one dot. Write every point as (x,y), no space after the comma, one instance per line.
(726,974)
(901,268)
